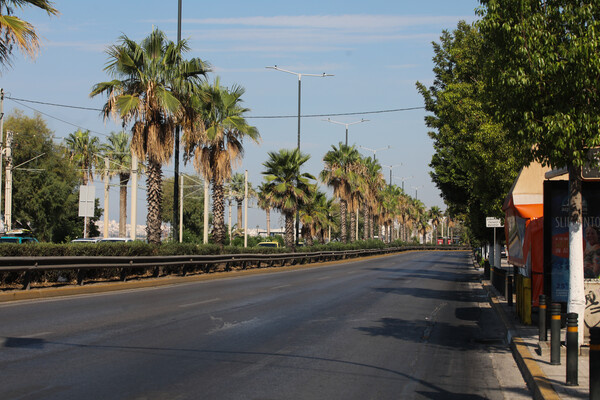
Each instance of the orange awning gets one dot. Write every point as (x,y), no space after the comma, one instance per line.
(529,211)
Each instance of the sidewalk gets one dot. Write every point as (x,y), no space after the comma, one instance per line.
(545,381)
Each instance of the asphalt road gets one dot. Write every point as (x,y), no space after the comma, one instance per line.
(410,326)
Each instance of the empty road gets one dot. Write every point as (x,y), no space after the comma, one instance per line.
(415,325)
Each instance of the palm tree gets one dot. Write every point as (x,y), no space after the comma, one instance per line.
(289,187)
(82,150)
(119,153)
(151,81)
(16,31)
(238,189)
(341,164)
(373,184)
(214,131)
(436,216)
(264,202)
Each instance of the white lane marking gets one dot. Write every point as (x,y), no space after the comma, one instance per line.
(280,287)
(200,302)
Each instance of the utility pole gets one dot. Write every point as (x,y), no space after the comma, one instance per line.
(1,150)
(134,179)
(205,236)
(8,183)
(176,155)
(181,210)
(106,188)
(246,209)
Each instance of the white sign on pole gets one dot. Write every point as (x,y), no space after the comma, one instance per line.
(491,222)
(87,199)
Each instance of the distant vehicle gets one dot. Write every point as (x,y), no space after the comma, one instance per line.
(19,236)
(268,244)
(503,252)
(115,239)
(84,240)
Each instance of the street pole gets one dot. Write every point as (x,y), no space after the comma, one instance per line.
(205,238)
(246,209)
(1,150)
(176,155)
(106,202)
(8,183)
(134,179)
(181,209)
(346,125)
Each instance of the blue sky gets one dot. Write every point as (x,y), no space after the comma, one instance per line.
(377,50)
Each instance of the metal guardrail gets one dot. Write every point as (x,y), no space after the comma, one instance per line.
(187,263)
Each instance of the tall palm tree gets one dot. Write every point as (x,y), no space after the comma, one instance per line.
(373,184)
(289,187)
(238,190)
(17,32)
(82,150)
(214,131)
(151,80)
(264,202)
(119,153)
(341,165)
(436,215)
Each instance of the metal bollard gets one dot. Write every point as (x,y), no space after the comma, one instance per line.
(542,319)
(595,363)
(509,289)
(555,334)
(572,349)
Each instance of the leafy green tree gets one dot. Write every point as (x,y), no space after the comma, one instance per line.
(151,80)
(16,32)
(214,131)
(289,187)
(474,163)
(543,72)
(45,189)
(193,207)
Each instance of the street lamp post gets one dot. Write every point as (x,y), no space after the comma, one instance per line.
(416,191)
(405,178)
(374,151)
(391,167)
(346,124)
(299,75)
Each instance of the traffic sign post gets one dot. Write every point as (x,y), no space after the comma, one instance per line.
(491,222)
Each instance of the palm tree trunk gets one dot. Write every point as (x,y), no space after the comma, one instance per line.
(239,215)
(268,212)
(123,179)
(366,222)
(289,230)
(343,207)
(352,226)
(154,200)
(218,214)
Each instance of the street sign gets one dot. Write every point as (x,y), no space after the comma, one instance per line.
(87,198)
(491,222)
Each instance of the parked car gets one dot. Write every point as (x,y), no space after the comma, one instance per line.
(114,239)
(268,244)
(84,240)
(20,236)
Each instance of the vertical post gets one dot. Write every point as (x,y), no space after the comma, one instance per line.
(8,183)
(181,209)
(509,289)
(346,134)
(176,214)
(134,179)
(594,375)
(246,209)
(299,102)
(555,334)
(1,147)
(106,202)
(572,349)
(205,238)
(494,250)
(229,199)
(543,331)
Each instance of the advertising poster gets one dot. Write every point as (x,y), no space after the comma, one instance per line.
(556,236)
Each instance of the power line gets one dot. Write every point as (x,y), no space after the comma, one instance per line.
(392,110)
